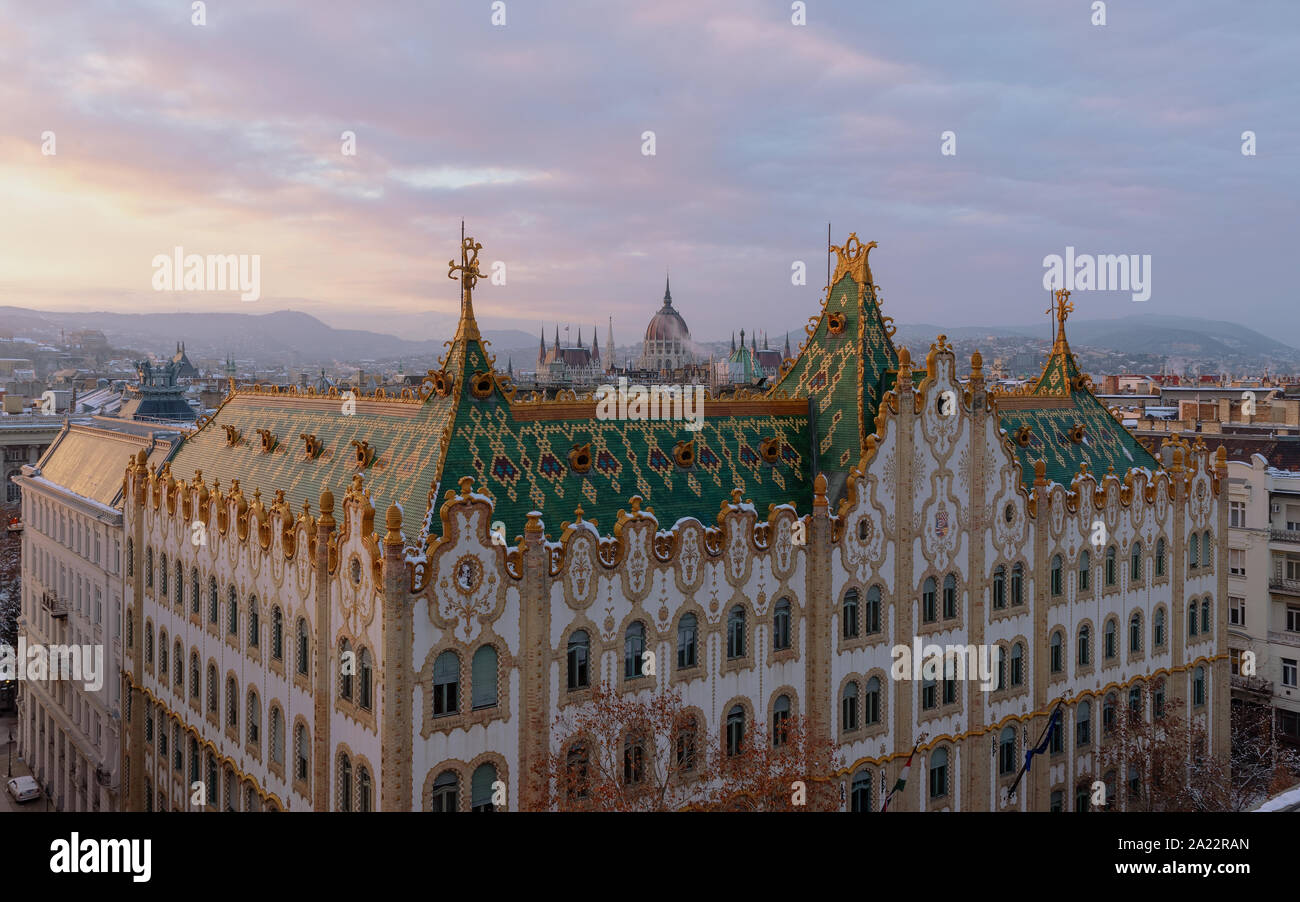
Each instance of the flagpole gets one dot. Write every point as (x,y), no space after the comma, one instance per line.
(1042,739)
(902,778)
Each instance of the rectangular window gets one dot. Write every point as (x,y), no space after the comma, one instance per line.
(1237,561)
(1236,610)
(1234,661)
(1237,514)
(1292,619)
(1288,672)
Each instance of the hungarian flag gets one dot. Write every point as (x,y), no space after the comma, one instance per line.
(902,779)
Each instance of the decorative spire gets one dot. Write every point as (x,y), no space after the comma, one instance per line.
(609,344)
(668,293)
(787,345)
(469,276)
(733,341)
(541,346)
(595,345)
(557,338)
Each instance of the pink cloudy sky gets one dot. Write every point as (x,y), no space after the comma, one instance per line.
(226,139)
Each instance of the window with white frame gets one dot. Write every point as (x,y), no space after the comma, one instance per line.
(1237,561)
(1236,610)
(1288,672)
(1237,514)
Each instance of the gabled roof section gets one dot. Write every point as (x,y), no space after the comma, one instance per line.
(1060,421)
(847,362)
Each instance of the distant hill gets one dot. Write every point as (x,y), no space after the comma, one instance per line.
(296,338)
(299,339)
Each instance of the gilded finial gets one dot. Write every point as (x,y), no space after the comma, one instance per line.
(393,522)
(465,483)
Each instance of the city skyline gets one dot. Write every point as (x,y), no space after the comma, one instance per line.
(227,138)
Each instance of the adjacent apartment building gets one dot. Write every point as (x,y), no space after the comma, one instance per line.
(69,732)
(1264,588)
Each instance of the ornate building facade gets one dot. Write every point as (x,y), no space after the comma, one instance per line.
(667,344)
(772,560)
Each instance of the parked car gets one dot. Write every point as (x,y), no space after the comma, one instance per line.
(24,789)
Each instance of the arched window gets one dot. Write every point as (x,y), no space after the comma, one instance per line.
(446,684)
(1198,686)
(849,615)
(232,614)
(950,596)
(781,625)
(1018,584)
(871,702)
(212,600)
(180,586)
(1058,575)
(345,782)
(1135,563)
(780,721)
(1135,699)
(212,688)
(1084,653)
(483,678)
(194,674)
(929,610)
(634,650)
(162,656)
(938,767)
(277,736)
(445,792)
(365,789)
(1193,551)
(871,622)
(1205,615)
(1000,587)
(1111,574)
(254,624)
(346,661)
(1191,617)
(687,628)
(1085,570)
(148,646)
(735,730)
(277,634)
(1109,707)
(366,673)
(736,633)
(178,657)
(1110,642)
(481,788)
(1002,668)
(1017,664)
(928,694)
(195,591)
(685,732)
(1135,633)
(578,655)
(1159,628)
(302,753)
(1158,699)
(860,794)
(253,717)
(232,703)
(1083,724)
(1007,751)
(1057,652)
(1160,557)
(162,575)
(304,648)
(130,557)
(849,707)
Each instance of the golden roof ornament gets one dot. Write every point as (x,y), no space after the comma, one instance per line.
(852,259)
(469,276)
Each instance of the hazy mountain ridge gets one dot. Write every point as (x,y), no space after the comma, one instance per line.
(301,339)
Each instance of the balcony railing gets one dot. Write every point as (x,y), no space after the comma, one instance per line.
(1285,637)
(53,605)
(1253,685)
(1285,535)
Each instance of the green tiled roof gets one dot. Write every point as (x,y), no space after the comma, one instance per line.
(519,452)
(1057,403)
(844,373)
